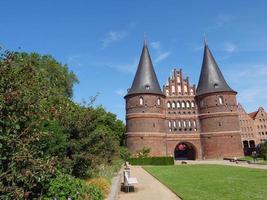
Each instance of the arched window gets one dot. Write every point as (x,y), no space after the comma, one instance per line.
(169,104)
(192,104)
(173,105)
(170,124)
(195,123)
(174,124)
(184,123)
(141,101)
(189,123)
(183,104)
(220,100)
(187,104)
(178,104)
(179,124)
(158,101)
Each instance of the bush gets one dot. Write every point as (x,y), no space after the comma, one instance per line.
(102,183)
(64,186)
(124,154)
(152,161)
(262,149)
(143,153)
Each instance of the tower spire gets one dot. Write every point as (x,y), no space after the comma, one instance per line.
(145,80)
(211,78)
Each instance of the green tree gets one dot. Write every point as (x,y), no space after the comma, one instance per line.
(30,88)
(42,130)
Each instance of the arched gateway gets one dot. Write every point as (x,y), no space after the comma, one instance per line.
(184,151)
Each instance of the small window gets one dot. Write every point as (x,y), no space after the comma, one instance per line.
(220,100)
(173,89)
(169,105)
(187,104)
(174,124)
(191,92)
(185,88)
(216,85)
(173,105)
(194,123)
(184,123)
(179,124)
(147,87)
(141,101)
(189,123)
(178,104)
(202,103)
(170,124)
(179,89)
(158,101)
(192,104)
(183,104)
(167,92)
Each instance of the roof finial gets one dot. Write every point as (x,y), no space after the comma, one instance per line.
(205,40)
(145,39)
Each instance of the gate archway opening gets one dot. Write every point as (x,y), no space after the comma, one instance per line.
(184,151)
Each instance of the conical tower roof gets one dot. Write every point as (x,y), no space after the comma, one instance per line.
(211,78)
(145,80)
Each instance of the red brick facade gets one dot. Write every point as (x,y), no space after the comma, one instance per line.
(182,122)
(162,122)
(253,128)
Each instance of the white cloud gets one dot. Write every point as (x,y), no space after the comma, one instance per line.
(113,36)
(230,47)
(162,56)
(126,67)
(249,81)
(155,45)
(121,92)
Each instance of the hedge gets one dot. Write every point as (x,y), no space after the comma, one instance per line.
(152,161)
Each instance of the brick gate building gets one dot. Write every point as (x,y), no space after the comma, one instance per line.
(181,120)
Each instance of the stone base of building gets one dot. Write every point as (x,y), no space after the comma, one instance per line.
(199,146)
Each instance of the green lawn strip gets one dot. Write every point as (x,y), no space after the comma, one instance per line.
(197,182)
(258,160)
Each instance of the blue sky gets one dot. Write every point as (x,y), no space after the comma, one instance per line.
(101,41)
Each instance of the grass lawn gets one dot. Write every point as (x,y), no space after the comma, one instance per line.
(212,182)
(258,160)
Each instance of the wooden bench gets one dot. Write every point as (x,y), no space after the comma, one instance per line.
(128,181)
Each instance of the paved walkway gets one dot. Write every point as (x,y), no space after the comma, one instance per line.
(224,162)
(148,188)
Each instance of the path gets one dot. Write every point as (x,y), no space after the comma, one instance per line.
(148,188)
(224,162)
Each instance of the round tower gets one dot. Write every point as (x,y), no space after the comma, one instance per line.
(218,116)
(145,117)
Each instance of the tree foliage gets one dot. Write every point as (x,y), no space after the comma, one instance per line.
(42,130)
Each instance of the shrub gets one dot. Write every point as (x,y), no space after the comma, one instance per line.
(124,154)
(262,149)
(143,153)
(152,161)
(102,183)
(64,186)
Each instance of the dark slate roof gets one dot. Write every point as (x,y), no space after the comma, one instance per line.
(211,78)
(145,80)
